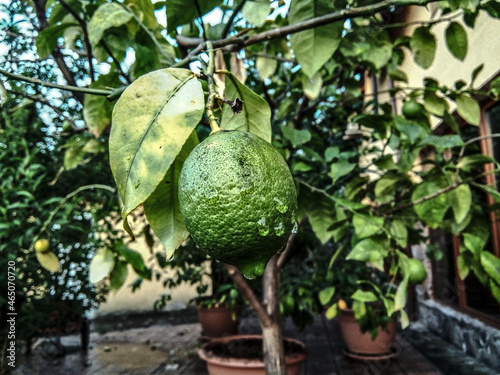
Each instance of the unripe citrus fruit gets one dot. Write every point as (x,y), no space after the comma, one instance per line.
(412,109)
(418,273)
(238,199)
(42,246)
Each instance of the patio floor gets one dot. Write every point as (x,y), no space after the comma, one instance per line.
(165,346)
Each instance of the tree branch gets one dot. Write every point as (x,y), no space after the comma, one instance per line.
(86,40)
(252,299)
(58,57)
(75,89)
(341,15)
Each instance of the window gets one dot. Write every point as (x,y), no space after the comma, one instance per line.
(469,295)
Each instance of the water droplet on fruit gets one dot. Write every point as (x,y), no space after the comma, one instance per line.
(263,228)
(279,229)
(280,206)
(295,227)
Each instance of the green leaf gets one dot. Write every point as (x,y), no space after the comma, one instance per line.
(442,142)
(462,267)
(320,212)
(312,86)
(379,50)
(491,265)
(108,15)
(368,250)
(101,265)
(97,109)
(134,259)
(456,40)
(255,116)
(434,104)
(367,226)
(314,47)
(385,188)
(118,275)
(46,40)
(495,194)
(431,211)
(404,319)
(423,44)
(146,11)
(331,312)
(400,296)
(266,66)
(468,163)
(399,232)
(460,200)
(181,12)
(331,153)
(326,295)
(495,290)
(162,207)
(297,137)
(411,131)
(495,88)
(364,296)
(340,168)
(151,122)
(468,109)
(256,11)
(73,156)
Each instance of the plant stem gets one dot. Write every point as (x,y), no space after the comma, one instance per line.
(37,81)
(229,23)
(62,203)
(212,91)
(341,15)
(245,289)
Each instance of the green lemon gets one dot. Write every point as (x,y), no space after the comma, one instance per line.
(418,272)
(412,109)
(238,199)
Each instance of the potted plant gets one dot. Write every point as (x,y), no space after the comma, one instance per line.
(218,301)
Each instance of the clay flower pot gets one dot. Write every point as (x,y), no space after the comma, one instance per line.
(242,355)
(360,344)
(219,321)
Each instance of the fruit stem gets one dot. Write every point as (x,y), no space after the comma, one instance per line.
(212,90)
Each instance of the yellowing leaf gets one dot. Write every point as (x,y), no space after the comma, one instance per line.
(151,122)
(101,265)
(49,261)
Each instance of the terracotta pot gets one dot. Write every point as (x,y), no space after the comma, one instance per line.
(359,342)
(218,321)
(218,355)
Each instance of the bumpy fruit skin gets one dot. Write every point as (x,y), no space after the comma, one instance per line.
(418,273)
(238,199)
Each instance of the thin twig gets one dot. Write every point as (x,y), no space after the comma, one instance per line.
(252,299)
(341,15)
(229,23)
(86,39)
(212,90)
(37,81)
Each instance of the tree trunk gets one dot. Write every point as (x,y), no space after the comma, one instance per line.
(274,353)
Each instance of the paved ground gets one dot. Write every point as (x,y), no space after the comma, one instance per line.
(165,346)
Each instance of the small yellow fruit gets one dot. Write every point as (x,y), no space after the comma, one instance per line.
(42,246)
(342,304)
